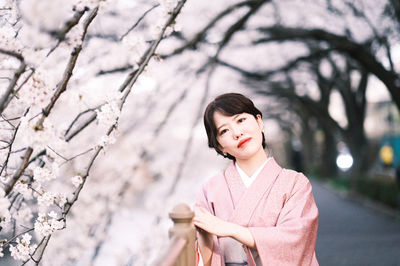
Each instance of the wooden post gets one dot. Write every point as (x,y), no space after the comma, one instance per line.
(182,217)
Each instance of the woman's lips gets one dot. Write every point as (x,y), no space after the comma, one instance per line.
(243,141)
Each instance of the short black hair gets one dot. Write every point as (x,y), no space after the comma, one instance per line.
(228,104)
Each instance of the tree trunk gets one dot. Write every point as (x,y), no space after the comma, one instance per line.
(329,153)
(358,145)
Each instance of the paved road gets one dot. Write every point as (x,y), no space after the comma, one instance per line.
(351,234)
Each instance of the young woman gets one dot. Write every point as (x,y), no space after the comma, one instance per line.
(255,212)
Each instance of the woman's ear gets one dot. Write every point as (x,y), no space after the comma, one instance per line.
(260,122)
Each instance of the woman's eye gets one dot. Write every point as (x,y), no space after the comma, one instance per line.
(223,131)
(241,119)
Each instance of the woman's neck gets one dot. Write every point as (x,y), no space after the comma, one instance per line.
(249,166)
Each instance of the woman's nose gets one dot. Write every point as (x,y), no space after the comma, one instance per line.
(237,133)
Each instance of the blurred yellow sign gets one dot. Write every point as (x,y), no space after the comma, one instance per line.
(386,154)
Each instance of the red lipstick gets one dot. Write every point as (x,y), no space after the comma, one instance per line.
(243,141)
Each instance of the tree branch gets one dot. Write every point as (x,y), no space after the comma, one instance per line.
(15,93)
(354,50)
(138,21)
(260,75)
(132,76)
(18,173)
(60,89)
(115,70)
(61,33)
(69,24)
(192,44)
(239,25)
(62,86)
(11,85)
(396,8)
(9,149)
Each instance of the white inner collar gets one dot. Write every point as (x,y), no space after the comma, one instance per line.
(248,180)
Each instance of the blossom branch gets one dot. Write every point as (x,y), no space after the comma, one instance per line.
(13,200)
(70,203)
(77,118)
(81,127)
(70,67)
(57,153)
(114,70)
(138,21)
(61,33)
(9,149)
(60,89)
(18,173)
(19,150)
(14,80)
(13,54)
(80,154)
(132,76)
(16,236)
(45,240)
(37,156)
(151,51)
(20,86)
(69,159)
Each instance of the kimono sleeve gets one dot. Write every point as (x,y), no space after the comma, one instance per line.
(202,200)
(292,241)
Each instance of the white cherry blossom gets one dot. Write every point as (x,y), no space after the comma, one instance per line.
(61,199)
(106,140)
(43,174)
(47,198)
(108,114)
(47,224)
(39,137)
(23,249)
(76,180)
(23,188)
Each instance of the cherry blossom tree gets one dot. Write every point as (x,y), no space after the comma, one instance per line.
(67,69)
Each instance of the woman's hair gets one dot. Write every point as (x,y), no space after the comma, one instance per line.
(228,104)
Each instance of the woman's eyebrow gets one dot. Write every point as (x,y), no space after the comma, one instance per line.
(220,127)
(233,118)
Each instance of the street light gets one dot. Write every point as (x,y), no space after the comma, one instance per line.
(344,161)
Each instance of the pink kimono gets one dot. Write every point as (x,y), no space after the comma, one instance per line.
(278,208)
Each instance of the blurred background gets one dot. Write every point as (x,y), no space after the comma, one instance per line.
(324,73)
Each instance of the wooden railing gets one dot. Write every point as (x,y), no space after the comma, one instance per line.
(181,249)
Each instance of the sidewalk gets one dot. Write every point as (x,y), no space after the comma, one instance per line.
(363,200)
(353,230)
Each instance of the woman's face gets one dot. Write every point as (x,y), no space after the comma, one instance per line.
(239,135)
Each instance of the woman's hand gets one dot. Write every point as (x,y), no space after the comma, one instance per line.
(214,225)
(210,223)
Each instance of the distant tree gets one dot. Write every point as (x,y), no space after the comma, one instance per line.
(354,39)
